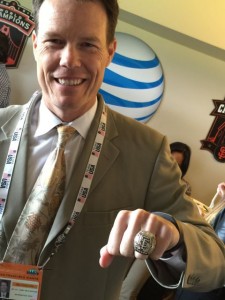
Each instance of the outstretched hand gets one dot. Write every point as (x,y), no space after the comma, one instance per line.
(127,224)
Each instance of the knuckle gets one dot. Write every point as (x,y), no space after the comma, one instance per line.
(122,214)
(126,252)
(112,249)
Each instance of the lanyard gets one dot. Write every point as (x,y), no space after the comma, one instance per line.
(87,178)
(11,157)
(85,185)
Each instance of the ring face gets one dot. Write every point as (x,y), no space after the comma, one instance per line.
(144,242)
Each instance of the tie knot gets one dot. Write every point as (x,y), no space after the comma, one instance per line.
(64,134)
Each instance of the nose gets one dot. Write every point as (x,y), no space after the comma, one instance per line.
(70,57)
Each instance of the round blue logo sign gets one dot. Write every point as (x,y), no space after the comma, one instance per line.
(133,83)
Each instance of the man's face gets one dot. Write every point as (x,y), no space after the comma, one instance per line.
(4,287)
(72,53)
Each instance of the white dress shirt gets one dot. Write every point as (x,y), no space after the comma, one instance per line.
(43,139)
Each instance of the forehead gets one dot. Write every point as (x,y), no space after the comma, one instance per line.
(72,13)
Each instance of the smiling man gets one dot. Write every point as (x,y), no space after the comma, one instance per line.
(71,59)
(122,195)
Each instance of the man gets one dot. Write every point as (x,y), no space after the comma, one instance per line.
(4,290)
(73,44)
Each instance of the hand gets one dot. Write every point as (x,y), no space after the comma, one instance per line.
(221,189)
(127,224)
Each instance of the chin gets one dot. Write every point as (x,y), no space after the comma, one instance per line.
(65,103)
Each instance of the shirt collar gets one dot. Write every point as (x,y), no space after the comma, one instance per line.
(81,124)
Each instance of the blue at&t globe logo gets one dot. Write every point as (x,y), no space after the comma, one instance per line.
(133,83)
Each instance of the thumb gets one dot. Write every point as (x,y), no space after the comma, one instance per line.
(105,258)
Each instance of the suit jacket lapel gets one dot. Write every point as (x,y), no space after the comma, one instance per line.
(17,193)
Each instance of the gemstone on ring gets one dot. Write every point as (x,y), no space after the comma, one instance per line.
(144,242)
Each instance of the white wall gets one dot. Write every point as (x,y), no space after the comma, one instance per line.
(23,79)
(201,19)
(192,80)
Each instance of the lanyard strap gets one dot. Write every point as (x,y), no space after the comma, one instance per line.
(11,157)
(85,185)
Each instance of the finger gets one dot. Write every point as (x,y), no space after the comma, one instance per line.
(117,232)
(148,226)
(136,218)
(125,228)
(105,258)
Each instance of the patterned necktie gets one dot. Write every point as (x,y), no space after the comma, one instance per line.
(42,205)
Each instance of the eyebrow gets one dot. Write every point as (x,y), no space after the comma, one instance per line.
(82,38)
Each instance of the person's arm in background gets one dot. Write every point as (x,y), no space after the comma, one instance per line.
(219,220)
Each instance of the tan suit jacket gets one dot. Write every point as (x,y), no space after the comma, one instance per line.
(134,171)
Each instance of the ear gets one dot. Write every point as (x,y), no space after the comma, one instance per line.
(111,50)
(34,41)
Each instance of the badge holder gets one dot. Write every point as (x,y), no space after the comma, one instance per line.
(21,281)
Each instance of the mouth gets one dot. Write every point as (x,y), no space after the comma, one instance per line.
(69,82)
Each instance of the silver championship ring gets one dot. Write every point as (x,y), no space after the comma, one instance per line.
(144,242)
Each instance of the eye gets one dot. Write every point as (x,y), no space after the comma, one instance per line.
(88,45)
(55,41)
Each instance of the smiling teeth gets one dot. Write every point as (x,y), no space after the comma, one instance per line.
(70,82)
